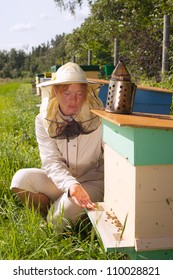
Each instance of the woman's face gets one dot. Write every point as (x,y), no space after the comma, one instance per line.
(72,98)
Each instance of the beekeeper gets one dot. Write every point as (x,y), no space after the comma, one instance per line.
(69,137)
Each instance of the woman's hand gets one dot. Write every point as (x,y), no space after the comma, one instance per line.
(81,197)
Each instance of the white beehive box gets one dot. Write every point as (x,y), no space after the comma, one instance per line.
(138,183)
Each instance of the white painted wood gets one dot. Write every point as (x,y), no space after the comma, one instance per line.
(109,230)
(145,194)
(154,201)
(153,244)
(120,178)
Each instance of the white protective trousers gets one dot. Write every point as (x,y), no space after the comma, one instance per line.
(36,181)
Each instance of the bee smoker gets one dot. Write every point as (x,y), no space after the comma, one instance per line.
(121,91)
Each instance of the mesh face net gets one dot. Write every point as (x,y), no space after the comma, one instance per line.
(71,129)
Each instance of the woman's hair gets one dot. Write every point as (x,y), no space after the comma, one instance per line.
(59,89)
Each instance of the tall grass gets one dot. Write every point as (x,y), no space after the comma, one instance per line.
(24,234)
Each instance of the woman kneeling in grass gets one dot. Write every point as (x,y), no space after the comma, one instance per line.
(69,137)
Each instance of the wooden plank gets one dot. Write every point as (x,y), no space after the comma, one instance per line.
(152,98)
(140,146)
(163,90)
(154,244)
(138,119)
(109,228)
(162,109)
(148,88)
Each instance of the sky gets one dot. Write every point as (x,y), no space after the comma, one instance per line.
(28,23)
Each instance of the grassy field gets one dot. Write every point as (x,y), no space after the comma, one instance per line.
(24,234)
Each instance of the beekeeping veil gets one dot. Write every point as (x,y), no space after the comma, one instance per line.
(84,122)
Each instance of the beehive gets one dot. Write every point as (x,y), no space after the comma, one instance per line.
(138,183)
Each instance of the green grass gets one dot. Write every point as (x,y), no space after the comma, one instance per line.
(24,234)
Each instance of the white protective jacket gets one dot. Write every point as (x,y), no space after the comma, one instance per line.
(66,163)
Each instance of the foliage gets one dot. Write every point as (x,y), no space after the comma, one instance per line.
(137,24)
(29,236)
(15,64)
(70,5)
(12,63)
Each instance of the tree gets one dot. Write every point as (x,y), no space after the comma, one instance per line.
(3,58)
(71,5)
(57,51)
(137,24)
